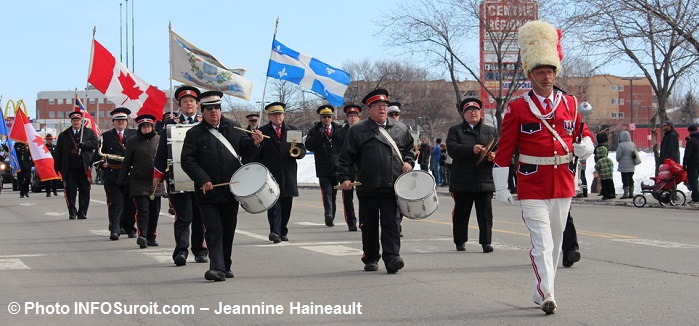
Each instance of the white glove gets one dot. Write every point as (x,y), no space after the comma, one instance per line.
(584,149)
(502,194)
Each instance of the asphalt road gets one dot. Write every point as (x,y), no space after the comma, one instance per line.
(638,267)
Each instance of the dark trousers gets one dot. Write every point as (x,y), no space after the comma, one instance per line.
(278,216)
(607,191)
(512,179)
(692,182)
(424,167)
(187,213)
(23,179)
(379,208)
(220,220)
(329,194)
(627,180)
(583,181)
(570,237)
(74,182)
(348,204)
(463,202)
(119,204)
(128,217)
(147,212)
(51,186)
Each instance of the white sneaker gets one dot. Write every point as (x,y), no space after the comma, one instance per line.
(549,306)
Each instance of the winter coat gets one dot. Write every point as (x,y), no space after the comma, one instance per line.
(604,165)
(691,150)
(466,176)
(275,156)
(323,149)
(670,146)
(138,164)
(67,145)
(624,153)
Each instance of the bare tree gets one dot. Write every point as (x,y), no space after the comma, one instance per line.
(443,30)
(622,33)
(680,15)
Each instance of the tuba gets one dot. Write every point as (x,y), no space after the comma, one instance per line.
(294,137)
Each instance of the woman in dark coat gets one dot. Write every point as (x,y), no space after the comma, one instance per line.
(471,180)
(137,171)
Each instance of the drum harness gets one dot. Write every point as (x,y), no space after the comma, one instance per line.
(225,143)
(385,134)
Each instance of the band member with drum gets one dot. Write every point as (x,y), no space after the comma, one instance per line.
(184,204)
(321,139)
(379,165)
(74,150)
(279,157)
(137,171)
(120,207)
(210,157)
(471,145)
(352,112)
(545,124)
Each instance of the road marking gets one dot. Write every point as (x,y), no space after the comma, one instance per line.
(54,213)
(23,256)
(12,264)
(337,250)
(161,255)
(252,235)
(657,243)
(27,204)
(309,224)
(104,233)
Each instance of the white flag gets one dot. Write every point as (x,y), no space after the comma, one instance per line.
(195,67)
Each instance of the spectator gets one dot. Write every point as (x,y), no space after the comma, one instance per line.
(436,155)
(670,146)
(605,167)
(690,162)
(625,153)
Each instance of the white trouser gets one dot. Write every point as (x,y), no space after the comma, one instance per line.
(545,219)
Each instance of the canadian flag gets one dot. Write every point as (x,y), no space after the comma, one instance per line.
(23,131)
(121,86)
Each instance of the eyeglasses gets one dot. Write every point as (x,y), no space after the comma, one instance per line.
(393,114)
(211,107)
(326,116)
(379,105)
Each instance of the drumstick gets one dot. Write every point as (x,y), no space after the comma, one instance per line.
(250,132)
(224,184)
(351,184)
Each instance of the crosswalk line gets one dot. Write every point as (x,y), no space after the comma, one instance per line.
(12,264)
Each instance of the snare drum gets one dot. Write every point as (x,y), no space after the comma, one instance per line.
(256,189)
(180,181)
(416,194)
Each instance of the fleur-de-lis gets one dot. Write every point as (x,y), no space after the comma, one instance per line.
(277,49)
(282,73)
(329,70)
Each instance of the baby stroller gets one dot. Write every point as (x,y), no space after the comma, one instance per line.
(664,190)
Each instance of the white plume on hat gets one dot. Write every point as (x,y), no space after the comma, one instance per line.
(539,46)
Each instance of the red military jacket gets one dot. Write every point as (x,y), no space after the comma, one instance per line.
(520,127)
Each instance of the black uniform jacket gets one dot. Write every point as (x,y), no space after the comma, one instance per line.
(138,165)
(67,142)
(465,174)
(205,159)
(112,145)
(323,148)
(339,142)
(275,156)
(378,164)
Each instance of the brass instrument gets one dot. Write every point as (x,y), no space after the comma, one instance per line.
(294,137)
(109,156)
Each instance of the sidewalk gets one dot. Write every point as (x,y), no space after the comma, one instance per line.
(592,199)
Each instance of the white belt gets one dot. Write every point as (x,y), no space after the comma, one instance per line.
(550,160)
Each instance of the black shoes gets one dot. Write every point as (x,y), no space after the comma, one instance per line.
(142,242)
(82,217)
(229,274)
(394,265)
(284,238)
(72,217)
(201,259)
(132,235)
(571,258)
(114,236)
(487,248)
(215,275)
(274,238)
(329,221)
(180,260)
(152,243)
(461,247)
(371,267)
(48,194)
(55,193)
(352,228)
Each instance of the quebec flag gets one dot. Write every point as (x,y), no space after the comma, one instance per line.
(307,72)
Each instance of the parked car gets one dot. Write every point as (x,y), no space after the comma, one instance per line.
(36,185)
(7,176)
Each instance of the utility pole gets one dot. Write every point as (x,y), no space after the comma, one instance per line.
(631,106)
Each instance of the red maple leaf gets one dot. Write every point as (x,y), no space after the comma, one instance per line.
(129,87)
(40,144)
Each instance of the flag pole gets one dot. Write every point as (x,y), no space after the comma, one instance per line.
(89,70)
(264,89)
(169,28)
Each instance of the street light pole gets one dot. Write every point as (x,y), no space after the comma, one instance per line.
(631,79)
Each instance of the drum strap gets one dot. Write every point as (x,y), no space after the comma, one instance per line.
(385,134)
(224,141)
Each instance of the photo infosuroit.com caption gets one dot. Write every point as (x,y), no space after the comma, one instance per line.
(155,308)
